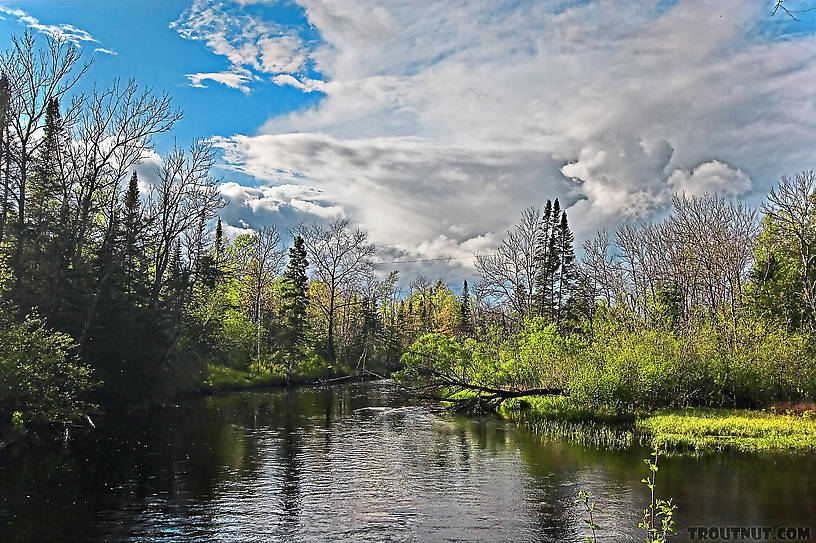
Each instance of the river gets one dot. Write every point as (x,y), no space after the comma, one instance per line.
(353,463)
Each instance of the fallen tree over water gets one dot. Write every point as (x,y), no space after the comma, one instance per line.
(440,368)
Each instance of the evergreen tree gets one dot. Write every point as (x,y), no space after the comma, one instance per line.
(548,260)
(540,295)
(42,233)
(219,243)
(132,250)
(465,316)
(294,296)
(568,271)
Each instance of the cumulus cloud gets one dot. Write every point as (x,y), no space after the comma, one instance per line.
(711,177)
(439,124)
(68,32)
(284,205)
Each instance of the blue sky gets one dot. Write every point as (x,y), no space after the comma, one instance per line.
(153,53)
(432,124)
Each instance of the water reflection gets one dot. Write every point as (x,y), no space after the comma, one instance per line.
(350,463)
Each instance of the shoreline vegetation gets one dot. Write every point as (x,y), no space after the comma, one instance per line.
(117,291)
(694,430)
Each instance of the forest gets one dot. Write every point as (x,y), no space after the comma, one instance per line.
(119,293)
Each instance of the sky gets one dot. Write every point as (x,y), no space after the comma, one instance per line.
(433,124)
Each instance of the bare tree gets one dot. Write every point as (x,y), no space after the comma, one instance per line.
(35,77)
(184,196)
(792,208)
(265,263)
(112,134)
(508,276)
(339,257)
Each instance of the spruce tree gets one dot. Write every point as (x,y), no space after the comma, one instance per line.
(540,286)
(568,272)
(464,309)
(131,232)
(219,243)
(294,297)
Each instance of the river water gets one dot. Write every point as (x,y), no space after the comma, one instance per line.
(352,463)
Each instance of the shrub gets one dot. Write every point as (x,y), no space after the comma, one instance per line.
(40,380)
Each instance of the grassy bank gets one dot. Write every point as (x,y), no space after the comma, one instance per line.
(701,429)
(679,430)
(225,379)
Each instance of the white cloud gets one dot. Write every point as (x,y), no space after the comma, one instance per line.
(711,177)
(284,205)
(247,42)
(304,84)
(66,31)
(440,122)
(105,51)
(230,79)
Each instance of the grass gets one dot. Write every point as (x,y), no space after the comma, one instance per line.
(693,430)
(224,379)
(702,429)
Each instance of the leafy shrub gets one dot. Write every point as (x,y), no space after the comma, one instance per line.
(40,380)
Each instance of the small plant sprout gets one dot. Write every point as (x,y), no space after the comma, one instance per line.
(585,499)
(658,517)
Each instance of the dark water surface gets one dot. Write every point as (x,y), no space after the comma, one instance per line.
(351,463)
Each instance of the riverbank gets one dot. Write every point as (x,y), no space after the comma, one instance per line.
(226,379)
(694,430)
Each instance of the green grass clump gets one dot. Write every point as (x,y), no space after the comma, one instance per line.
(696,429)
(703,429)
(221,378)
(559,417)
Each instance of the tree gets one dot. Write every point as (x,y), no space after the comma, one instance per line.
(508,276)
(791,228)
(464,311)
(184,196)
(340,257)
(265,262)
(36,78)
(567,272)
(132,230)
(294,298)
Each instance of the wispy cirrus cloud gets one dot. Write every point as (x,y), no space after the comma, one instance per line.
(69,32)
(234,80)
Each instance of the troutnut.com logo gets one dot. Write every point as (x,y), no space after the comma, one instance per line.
(750,533)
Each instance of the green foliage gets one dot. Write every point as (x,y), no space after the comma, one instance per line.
(434,357)
(702,429)
(752,363)
(40,380)
(590,506)
(658,517)
(294,299)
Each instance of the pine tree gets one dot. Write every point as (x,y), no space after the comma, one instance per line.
(44,188)
(551,267)
(294,297)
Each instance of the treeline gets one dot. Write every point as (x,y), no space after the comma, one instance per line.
(125,292)
(712,306)
(120,291)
